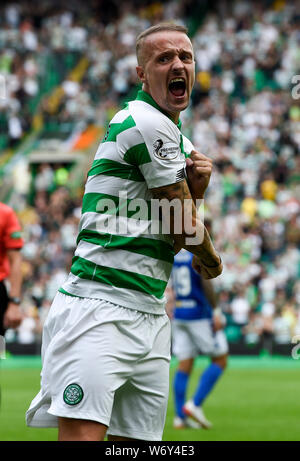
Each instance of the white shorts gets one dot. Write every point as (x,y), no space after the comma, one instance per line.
(190,338)
(105,363)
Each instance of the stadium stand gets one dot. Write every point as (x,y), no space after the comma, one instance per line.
(68,68)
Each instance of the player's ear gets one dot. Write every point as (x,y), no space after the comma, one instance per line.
(141,73)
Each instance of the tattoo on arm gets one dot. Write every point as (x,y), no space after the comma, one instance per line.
(180,191)
(177,194)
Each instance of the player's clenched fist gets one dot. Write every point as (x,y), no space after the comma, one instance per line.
(198,170)
(13,316)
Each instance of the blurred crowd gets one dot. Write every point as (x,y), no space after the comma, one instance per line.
(244,114)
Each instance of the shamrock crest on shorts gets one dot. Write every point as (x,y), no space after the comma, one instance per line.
(73,394)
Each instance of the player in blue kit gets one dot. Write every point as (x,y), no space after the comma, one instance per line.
(197,326)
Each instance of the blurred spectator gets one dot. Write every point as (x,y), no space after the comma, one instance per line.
(26,332)
(240,308)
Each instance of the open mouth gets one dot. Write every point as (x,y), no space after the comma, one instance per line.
(177,86)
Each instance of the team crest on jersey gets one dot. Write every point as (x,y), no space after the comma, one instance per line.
(165,151)
(73,394)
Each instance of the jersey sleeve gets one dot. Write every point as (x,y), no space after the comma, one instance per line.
(162,141)
(187,146)
(12,233)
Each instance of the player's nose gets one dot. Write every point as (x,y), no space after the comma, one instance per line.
(177,63)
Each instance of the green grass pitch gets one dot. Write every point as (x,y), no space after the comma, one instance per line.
(256,399)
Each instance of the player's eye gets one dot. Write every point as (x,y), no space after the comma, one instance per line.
(163,59)
(186,57)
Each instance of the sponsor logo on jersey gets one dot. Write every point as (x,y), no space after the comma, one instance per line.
(165,151)
(73,394)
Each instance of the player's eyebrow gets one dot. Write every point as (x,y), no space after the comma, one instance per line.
(174,51)
(183,51)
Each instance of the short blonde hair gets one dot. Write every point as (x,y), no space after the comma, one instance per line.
(161,27)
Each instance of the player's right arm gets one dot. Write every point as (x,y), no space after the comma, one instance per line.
(206,260)
(13,243)
(209,292)
(13,315)
(218,320)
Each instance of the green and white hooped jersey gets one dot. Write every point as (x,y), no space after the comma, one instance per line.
(122,256)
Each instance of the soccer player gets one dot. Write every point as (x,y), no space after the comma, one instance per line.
(197,326)
(106,340)
(10,269)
